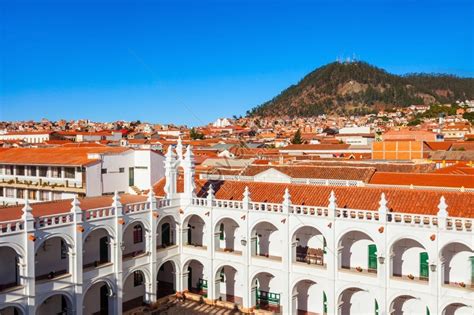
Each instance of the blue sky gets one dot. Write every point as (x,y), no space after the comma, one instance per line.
(190,62)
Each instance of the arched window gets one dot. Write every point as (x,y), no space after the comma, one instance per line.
(137,278)
(137,234)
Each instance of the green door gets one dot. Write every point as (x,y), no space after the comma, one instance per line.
(131,176)
(372,257)
(376,308)
(165,234)
(424,265)
(325,303)
(104,249)
(472,270)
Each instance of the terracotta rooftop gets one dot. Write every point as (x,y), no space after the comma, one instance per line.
(321,172)
(458,168)
(63,206)
(460,204)
(313,147)
(423,179)
(74,156)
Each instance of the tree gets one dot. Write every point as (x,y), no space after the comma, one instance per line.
(195,135)
(297,138)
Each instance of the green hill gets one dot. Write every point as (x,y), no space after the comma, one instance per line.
(360,88)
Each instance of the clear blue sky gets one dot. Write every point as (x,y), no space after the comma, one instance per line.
(189,62)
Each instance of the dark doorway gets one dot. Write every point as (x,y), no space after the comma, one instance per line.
(166,234)
(104,300)
(104,249)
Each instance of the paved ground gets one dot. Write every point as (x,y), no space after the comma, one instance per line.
(194,308)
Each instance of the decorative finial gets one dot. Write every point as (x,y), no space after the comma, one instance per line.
(210,192)
(246,194)
(27,210)
(383,203)
(332,200)
(179,148)
(287,197)
(116,199)
(442,208)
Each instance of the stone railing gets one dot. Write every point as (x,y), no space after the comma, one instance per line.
(8,227)
(452,223)
(54,220)
(136,207)
(99,213)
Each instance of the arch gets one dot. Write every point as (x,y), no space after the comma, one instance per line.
(41,240)
(134,288)
(53,256)
(62,303)
(194,228)
(96,248)
(110,231)
(8,309)
(225,234)
(195,279)
(17,248)
(456,308)
(407,305)
(10,271)
(98,297)
(309,245)
(226,278)
(143,222)
(134,239)
(166,231)
(110,284)
(456,264)
(310,297)
(166,278)
(265,240)
(409,258)
(264,291)
(356,300)
(357,251)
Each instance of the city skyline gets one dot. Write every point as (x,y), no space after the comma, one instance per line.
(94,61)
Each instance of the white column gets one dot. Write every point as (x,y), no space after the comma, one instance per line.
(76,252)
(152,215)
(29,259)
(248,298)
(286,298)
(117,260)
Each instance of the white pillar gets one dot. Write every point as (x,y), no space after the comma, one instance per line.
(76,252)
(29,259)
(152,215)
(117,260)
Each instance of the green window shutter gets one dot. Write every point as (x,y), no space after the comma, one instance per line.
(325,303)
(376,308)
(424,271)
(427,311)
(472,269)
(373,257)
(325,244)
(221,234)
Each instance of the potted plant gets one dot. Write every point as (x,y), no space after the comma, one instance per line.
(411,277)
(462,284)
(359,269)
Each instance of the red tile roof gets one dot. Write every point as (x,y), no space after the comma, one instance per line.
(74,156)
(423,179)
(63,206)
(460,204)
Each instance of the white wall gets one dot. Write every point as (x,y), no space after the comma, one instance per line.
(48,257)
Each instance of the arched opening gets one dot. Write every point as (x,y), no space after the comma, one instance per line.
(225,236)
(11,310)
(166,233)
(266,241)
(194,281)
(134,240)
(357,252)
(166,276)
(357,301)
(309,298)
(98,300)
(193,232)
(56,304)
(266,292)
(457,309)
(52,259)
(226,285)
(457,265)
(96,248)
(409,259)
(408,305)
(309,246)
(10,270)
(134,291)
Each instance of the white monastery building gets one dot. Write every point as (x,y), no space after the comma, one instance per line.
(44,174)
(280,247)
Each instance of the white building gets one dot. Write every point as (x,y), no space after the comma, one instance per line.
(221,123)
(323,257)
(42,174)
(27,136)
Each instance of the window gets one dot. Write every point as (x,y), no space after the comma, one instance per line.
(122,170)
(137,234)
(104,171)
(472,270)
(20,193)
(32,194)
(20,170)
(56,195)
(8,169)
(56,172)
(10,192)
(137,278)
(1,191)
(44,195)
(43,171)
(69,172)
(31,171)
(63,249)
